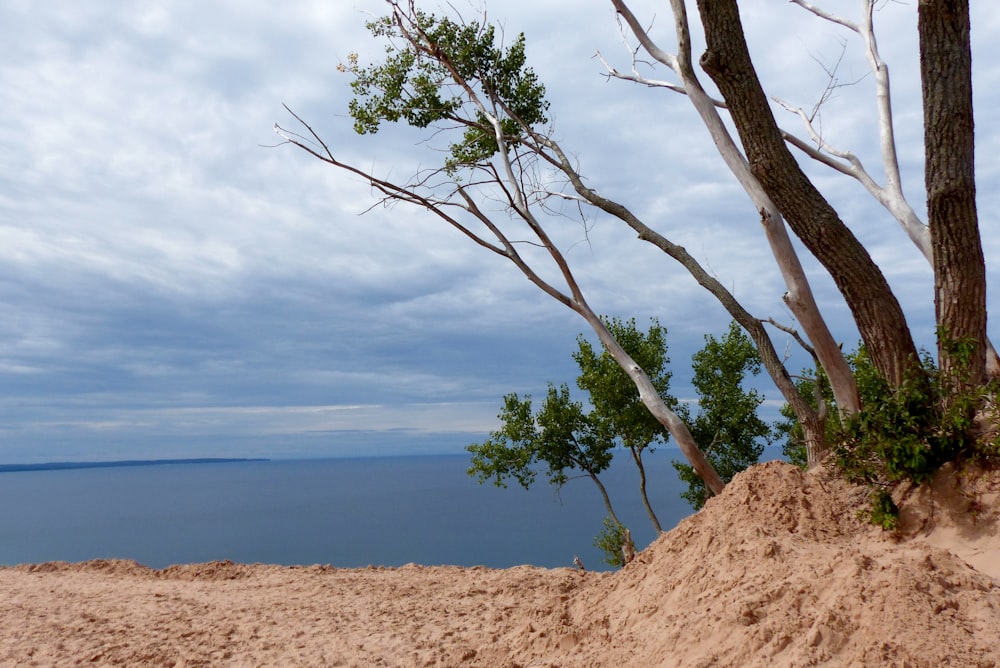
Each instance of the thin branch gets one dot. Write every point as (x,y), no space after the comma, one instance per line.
(823,14)
(891,194)
(795,335)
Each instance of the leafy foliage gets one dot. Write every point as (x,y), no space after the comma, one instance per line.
(727,428)
(909,432)
(511,451)
(611,541)
(906,433)
(560,436)
(460,73)
(618,411)
(884,511)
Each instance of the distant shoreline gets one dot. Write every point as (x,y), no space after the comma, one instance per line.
(61,466)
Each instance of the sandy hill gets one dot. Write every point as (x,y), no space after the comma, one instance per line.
(777,571)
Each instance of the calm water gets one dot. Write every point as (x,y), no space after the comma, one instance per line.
(346,512)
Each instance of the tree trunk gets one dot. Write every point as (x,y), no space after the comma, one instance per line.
(817,448)
(799,296)
(876,311)
(607,499)
(769,356)
(959,268)
(637,456)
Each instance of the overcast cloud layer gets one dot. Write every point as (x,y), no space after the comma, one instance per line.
(172,285)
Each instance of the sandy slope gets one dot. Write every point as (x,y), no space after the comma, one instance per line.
(775,572)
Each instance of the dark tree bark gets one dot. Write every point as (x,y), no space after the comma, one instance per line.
(959,268)
(876,311)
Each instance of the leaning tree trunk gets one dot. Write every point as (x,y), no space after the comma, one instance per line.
(652,400)
(637,456)
(606,498)
(798,297)
(959,268)
(876,311)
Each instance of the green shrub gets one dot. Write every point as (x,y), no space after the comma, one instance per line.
(884,511)
(905,433)
(901,434)
(610,541)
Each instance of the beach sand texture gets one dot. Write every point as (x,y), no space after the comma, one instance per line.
(777,571)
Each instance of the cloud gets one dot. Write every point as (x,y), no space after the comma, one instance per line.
(171,282)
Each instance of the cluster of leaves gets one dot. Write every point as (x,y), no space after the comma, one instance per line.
(611,541)
(439,70)
(561,435)
(727,428)
(906,433)
(616,402)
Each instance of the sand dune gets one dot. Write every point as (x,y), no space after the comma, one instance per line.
(778,571)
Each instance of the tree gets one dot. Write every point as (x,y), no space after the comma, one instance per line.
(438,71)
(456,78)
(728,428)
(779,188)
(949,149)
(448,73)
(563,438)
(560,436)
(951,240)
(616,405)
(876,310)
(615,541)
(798,297)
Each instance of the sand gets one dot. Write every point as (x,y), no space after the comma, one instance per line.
(777,571)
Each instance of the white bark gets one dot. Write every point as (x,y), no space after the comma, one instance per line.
(799,297)
(510,181)
(891,194)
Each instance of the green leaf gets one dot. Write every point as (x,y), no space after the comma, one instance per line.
(728,428)
(438,72)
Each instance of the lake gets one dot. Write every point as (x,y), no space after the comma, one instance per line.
(346,512)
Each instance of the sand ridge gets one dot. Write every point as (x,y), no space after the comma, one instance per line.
(777,571)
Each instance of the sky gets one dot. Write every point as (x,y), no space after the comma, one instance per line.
(175,283)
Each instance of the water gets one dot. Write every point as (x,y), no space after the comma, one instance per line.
(345,512)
